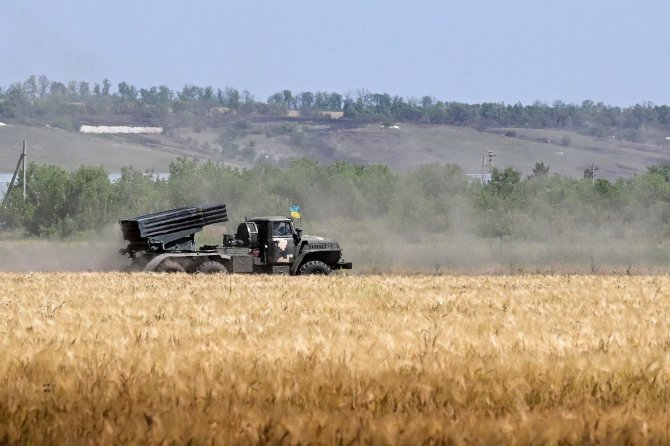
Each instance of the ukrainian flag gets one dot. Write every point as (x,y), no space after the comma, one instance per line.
(295,211)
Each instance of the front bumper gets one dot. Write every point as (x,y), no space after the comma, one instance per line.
(342,265)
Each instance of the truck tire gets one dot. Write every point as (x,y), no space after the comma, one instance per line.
(314,267)
(211,267)
(170,266)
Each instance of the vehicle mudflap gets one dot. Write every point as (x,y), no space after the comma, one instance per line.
(343,265)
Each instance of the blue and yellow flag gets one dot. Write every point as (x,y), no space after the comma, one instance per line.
(295,211)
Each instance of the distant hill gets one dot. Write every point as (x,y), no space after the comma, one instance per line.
(276,140)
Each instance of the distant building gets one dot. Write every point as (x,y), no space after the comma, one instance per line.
(5,178)
(483,178)
(214,111)
(320,114)
(115,129)
(331,114)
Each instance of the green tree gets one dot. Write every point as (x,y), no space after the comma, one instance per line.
(500,204)
(89,200)
(43,86)
(127,92)
(58,89)
(229,97)
(44,208)
(30,87)
(84,89)
(288,99)
(306,100)
(540,170)
(139,193)
(662,170)
(165,95)
(335,102)
(106,85)
(505,182)
(72,90)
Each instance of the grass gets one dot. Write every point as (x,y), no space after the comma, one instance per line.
(72,150)
(146,358)
(402,149)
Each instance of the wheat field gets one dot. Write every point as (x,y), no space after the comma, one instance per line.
(112,358)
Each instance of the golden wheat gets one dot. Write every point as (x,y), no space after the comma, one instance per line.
(145,358)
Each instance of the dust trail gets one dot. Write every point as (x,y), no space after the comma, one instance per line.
(379,246)
(374,250)
(97,253)
(392,243)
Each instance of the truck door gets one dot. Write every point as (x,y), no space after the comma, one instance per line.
(281,246)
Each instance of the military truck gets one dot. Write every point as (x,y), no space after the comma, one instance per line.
(165,242)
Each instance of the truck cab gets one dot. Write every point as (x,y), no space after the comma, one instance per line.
(280,247)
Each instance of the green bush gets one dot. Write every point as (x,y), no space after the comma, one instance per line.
(428,201)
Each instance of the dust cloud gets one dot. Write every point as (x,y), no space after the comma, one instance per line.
(619,247)
(96,253)
(381,245)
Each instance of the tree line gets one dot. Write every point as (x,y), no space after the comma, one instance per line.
(40,100)
(435,199)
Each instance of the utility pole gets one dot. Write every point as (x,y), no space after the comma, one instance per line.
(21,165)
(25,175)
(491,155)
(593,173)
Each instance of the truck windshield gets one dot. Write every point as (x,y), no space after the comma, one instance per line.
(281,228)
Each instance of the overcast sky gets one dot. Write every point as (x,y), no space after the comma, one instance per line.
(613,51)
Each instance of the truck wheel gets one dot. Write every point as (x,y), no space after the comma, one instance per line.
(211,267)
(314,267)
(170,266)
